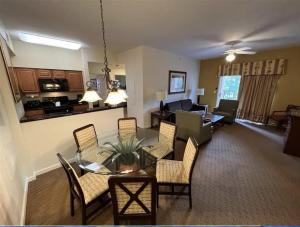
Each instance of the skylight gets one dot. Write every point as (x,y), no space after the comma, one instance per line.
(42,40)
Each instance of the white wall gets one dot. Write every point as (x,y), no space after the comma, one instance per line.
(15,160)
(147,71)
(40,56)
(156,66)
(56,135)
(133,60)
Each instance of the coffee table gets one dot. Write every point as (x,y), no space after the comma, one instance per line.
(216,120)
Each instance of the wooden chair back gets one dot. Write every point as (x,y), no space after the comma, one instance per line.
(127,126)
(73,179)
(133,197)
(190,156)
(85,137)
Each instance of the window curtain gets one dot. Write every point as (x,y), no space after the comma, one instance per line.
(256,96)
(257,87)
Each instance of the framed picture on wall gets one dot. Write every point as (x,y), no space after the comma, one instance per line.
(177,82)
(10,71)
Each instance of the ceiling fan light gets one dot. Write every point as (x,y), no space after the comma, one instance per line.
(230,57)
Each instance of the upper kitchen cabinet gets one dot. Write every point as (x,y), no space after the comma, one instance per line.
(27,79)
(75,81)
(58,74)
(44,74)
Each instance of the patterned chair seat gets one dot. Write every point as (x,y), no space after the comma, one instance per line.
(93,185)
(170,171)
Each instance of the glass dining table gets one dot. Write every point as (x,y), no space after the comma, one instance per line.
(120,153)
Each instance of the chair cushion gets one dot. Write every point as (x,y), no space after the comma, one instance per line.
(170,171)
(229,106)
(186,105)
(93,185)
(173,106)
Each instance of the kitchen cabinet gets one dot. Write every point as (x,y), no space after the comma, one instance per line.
(58,74)
(27,79)
(75,81)
(80,107)
(34,113)
(44,73)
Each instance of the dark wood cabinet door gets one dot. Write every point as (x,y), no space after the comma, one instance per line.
(44,73)
(27,80)
(58,74)
(75,81)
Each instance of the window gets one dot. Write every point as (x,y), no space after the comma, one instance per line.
(228,88)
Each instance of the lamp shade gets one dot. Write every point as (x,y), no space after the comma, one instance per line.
(161,95)
(115,98)
(90,96)
(123,93)
(200,91)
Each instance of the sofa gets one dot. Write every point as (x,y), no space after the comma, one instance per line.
(191,124)
(228,109)
(181,105)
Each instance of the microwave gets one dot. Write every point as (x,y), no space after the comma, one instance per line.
(53,85)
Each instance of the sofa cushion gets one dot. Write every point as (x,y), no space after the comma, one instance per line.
(225,114)
(186,105)
(173,106)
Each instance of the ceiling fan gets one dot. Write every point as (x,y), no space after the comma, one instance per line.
(232,52)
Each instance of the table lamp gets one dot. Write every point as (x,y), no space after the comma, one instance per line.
(199,92)
(160,96)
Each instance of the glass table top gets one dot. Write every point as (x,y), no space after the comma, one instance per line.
(123,152)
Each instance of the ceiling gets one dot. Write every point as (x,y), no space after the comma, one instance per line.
(193,28)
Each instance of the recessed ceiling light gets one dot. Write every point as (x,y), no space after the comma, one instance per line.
(42,40)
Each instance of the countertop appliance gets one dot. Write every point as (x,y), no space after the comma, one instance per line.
(53,85)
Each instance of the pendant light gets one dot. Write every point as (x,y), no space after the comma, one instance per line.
(116,95)
(90,95)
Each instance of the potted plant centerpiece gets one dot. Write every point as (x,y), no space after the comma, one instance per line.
(125,152)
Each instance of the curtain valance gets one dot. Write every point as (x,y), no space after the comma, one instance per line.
(257,68)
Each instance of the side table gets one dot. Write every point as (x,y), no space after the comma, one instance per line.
(165,115)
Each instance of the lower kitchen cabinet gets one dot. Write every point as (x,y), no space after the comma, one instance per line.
(34,113)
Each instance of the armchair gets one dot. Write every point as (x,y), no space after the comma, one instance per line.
(190,124)
(228,109)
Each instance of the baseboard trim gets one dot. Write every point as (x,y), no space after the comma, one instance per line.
(49,168)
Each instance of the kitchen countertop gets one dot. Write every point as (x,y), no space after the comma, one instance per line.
(55,115)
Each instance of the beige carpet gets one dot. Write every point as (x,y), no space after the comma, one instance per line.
(241,177)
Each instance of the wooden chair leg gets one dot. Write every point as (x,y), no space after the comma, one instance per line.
(83,214)
(190,195)
(173,155)
(157,196)
(72,204)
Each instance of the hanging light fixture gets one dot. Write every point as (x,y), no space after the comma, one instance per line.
(115,96)
(90,95)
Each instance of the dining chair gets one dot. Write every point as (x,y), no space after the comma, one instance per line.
(127,126)
(166,141)
(85,137)
(133,198)
(178,173)
(86,189)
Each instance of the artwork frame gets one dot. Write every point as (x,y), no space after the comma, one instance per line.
(177,82)
(12,78)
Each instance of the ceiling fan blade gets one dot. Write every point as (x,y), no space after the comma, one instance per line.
(243,48)
(246,52)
